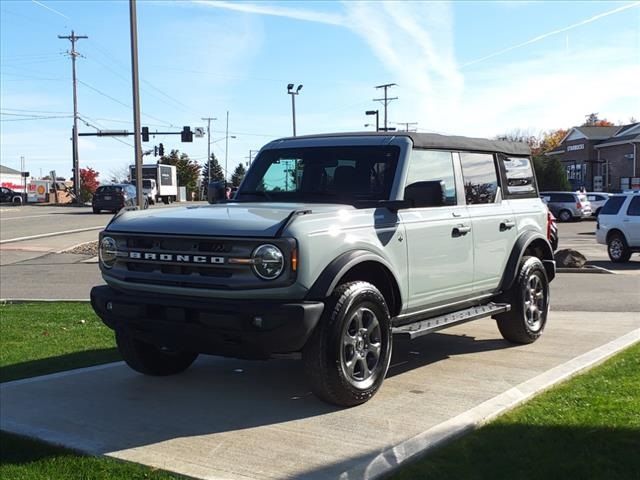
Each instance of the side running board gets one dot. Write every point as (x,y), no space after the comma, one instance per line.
(422,327)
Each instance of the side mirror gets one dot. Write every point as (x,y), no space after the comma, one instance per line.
(425,194)
(216,192)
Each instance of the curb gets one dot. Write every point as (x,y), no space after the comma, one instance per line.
(17,301)
(405,452)
(50,234)
(585,269)
(66,250)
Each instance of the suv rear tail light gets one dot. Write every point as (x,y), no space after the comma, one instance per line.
(579,205)
(549,225)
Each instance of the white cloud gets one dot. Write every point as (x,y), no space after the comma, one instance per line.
(277,11)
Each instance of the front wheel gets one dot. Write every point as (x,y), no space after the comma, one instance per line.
(152,360)
(529,299)
(618,249)
(347,356)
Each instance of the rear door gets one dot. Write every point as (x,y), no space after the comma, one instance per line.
(631,222)
(439,239)
(492,220)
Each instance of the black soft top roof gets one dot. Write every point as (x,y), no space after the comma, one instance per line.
(433,140)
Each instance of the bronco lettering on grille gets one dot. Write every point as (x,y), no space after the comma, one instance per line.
(170,257)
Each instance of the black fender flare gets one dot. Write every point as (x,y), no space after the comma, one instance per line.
(328,280)
(521,245)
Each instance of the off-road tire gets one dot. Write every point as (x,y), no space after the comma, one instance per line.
(151,360)
(526,320)
(617,248)
(565,216)
(325,355)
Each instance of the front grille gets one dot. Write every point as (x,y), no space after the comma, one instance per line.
(193,262)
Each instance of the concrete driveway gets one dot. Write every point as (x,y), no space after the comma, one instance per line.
(232,419)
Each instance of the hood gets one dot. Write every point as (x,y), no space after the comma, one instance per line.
(228,220)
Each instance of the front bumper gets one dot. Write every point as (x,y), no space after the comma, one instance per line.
(236,328)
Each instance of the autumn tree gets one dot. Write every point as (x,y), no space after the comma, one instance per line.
(187,170)
(88,183)
(238,175)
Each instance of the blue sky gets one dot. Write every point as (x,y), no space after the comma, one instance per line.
(469,68)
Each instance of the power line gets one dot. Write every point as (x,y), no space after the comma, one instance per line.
(32,111)
(33,118)
(165,124)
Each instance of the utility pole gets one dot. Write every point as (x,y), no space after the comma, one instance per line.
(406,125)
(250,157)
(208,119)
(226,152)
(76,162)
(386,100)
(136,102)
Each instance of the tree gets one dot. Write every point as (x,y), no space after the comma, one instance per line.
(187,170)
(592,120)
(238,175)
(119,174)
(554,176)
(88,183)
(217,175)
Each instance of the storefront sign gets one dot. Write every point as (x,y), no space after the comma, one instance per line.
(571,148)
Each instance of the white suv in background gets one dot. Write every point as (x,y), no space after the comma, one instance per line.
(619,226)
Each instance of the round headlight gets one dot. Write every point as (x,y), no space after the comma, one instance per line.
(108,252)
(268,262)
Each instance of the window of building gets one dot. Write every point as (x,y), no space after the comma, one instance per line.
(480,178)
(433,165)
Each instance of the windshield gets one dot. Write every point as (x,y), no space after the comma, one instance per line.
(321,174)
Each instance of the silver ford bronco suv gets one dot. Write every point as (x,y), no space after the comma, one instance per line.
(333,245)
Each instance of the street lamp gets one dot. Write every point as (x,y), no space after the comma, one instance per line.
(293,94)
(374,112)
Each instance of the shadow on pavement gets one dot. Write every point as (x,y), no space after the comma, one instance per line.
(632,264)
(215,395)
(44,366)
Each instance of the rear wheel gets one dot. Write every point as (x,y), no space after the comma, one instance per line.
(152,360)
(618,249)
(529,299)
(347,356)
(565,216)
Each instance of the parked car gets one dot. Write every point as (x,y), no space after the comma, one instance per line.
(567,206)
(333,245)
(618,226)
(597,201)
(115,197)
(10,196)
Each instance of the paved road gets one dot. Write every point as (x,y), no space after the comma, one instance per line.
(28,220)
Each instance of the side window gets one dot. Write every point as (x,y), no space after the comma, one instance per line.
(634,207)
(519,176)
(433,165)
(480,179)
(612,206)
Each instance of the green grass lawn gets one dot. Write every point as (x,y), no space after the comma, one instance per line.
(40,338)
(586,428)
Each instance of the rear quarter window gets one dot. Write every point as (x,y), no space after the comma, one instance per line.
(519,177)
(612,207)
(634,207)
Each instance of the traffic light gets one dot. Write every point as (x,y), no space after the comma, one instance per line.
(155,151)
(161,150)
(186,135)
(145,134)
